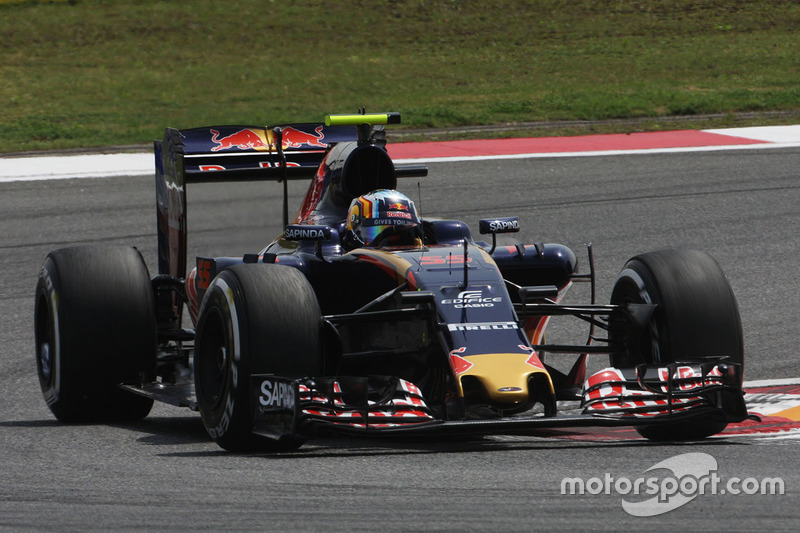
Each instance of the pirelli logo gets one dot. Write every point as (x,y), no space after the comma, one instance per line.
(482,326)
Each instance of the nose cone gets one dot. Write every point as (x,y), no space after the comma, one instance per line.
(504,376)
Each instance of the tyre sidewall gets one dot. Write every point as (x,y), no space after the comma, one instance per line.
(268,320)
(48,338)
(94,307)
(223,400)
(635,285)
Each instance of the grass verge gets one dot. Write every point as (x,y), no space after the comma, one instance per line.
(80,73)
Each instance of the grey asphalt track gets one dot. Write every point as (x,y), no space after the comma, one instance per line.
(165,474)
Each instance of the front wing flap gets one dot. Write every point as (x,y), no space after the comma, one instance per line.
(381,405)
(650,391)
(284,406)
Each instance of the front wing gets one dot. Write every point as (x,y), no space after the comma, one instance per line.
(380,405)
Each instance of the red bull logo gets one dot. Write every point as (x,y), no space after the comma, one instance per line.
(398,207)
(294,138)
(458,363)
(243,140)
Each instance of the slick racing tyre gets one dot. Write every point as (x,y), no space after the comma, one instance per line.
(697,318)
(255,319)
(95,328)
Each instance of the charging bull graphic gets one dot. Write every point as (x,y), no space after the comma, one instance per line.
(294,138)
(242,139)
(254,139)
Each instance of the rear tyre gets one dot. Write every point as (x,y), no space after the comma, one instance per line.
(95,328)
(697,318)
(255,319)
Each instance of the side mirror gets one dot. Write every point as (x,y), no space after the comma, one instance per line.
(305,232)
(498,225)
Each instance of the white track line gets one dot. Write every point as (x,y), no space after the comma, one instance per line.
(772,134)
(770,383)
(75,166)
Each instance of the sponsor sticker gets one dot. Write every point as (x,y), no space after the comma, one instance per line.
(499,225)
(458,363)
(472,298)
(246,139)
(307,233)
(276,395)
(294,138)
(482,326)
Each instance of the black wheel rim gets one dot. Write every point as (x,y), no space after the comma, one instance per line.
(212,359)
(647,350)
(44,342)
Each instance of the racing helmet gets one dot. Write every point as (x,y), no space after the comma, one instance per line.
(383,218)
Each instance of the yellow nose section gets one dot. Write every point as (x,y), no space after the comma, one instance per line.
(504,376)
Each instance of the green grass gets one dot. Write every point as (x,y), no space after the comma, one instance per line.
(82,73)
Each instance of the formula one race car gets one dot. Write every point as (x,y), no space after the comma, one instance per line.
(364,318)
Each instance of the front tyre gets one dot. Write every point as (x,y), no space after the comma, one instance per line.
(95,328)
(696,318)
(255,319)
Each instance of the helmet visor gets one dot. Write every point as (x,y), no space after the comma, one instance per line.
(372,229)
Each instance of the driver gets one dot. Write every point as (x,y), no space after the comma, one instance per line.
(382,218)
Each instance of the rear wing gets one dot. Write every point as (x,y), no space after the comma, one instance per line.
(247,153)
(254,153)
